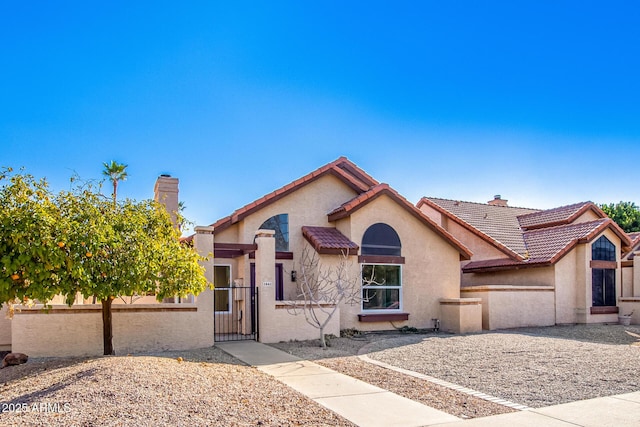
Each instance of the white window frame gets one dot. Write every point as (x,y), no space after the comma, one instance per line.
(399,287)
(230,295)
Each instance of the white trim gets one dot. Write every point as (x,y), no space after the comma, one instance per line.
(399,287)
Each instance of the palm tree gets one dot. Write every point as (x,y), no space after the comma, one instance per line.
(115,172)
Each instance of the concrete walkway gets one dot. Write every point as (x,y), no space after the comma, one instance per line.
(356,400)
(359,402)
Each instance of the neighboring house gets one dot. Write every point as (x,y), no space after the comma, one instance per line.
(537,267)
(631,268)
(336,209)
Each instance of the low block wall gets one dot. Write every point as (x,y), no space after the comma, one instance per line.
(505,306)
(5,329)
(461,315)
(630,305)
(77,330)
(280,324)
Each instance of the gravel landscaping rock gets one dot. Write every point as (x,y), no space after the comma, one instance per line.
(531,366)
(208,387)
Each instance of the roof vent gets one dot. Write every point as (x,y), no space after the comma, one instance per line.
(165,175)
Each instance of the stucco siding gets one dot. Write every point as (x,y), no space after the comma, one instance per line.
(283,324)
(308,205)
(627,282)
(76,333)
(586,217)
(431,270)
(539,276)
(636,275)
(506,307)
(569,290)
(480,248)
(5,328)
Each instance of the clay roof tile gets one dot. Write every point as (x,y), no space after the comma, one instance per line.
(328,240)
(557,216)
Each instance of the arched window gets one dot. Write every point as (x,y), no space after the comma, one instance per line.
(279,224)
(603,250)
(603,279)
(381,239)
(381,283)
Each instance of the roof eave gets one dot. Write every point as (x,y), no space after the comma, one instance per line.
(342,168)
(514,266)
(588,206)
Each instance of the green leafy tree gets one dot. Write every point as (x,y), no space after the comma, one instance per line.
(30,243)
(79,242)
(115,172)
(625,214)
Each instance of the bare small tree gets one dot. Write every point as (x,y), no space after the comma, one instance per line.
(322,289)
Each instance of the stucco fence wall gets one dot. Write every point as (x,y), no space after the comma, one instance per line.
(281,323)
(77,330)
(628,305)
(506,306)
(461,315)
(5,329)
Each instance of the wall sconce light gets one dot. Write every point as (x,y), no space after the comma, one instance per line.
(294,276)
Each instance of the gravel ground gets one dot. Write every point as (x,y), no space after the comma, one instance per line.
(530,366)
(207,388)
(533,366)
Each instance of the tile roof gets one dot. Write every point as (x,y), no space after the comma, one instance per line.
(328,240)
(346,209)
(342,168)
(557,216)
(364,185)
(546,246)
(359,201)
(499,223)
(635,245)
(537,237)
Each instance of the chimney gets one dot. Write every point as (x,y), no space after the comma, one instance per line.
(166,192)
(498,201)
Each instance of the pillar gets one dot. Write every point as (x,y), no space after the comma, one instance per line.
(203,243)
(636,274)
(265,281)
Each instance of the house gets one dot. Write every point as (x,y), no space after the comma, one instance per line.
(537,267)
(631,275)
(447,264)
(340,209)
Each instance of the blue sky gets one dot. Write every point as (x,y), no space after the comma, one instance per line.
(538,101)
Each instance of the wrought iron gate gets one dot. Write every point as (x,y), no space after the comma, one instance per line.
(235,315)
